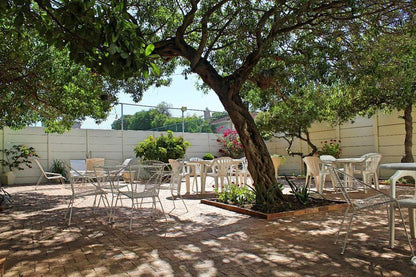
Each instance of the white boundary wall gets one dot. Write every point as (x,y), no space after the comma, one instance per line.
(80,143)
(381,133)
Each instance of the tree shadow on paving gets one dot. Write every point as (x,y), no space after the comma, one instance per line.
(214,244)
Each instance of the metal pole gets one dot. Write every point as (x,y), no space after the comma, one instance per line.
(183,109)
(122,117)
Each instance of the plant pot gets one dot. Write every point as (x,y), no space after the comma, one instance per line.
(8,178)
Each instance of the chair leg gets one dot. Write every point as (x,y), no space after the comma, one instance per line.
(376,181)
(342,224)
(131,213)
(38,182)
(163,210)
(69,211)
(346,235)
(405,230)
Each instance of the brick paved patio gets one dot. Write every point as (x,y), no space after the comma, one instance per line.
(207,241)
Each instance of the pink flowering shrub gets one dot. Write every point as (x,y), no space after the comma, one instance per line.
(230,143)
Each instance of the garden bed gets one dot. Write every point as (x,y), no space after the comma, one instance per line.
(316,206)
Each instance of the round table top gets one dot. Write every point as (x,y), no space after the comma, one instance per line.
(399,166)
(350,160)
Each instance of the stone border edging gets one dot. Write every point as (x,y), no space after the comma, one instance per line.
(332,207)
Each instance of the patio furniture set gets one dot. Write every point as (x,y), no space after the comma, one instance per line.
(137,181)
(134,180)
(367,166)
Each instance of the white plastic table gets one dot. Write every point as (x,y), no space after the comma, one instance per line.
(205,164)
(403,169)
(349,166)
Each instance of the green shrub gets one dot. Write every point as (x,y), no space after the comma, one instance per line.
(301,192)
(208,156)
(236,195)
(58,166)
(162,148)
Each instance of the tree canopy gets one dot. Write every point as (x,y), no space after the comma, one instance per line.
(232,45)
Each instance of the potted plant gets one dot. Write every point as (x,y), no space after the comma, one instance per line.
(16,157)
(277,160)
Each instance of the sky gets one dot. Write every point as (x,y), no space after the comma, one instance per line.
(181,93)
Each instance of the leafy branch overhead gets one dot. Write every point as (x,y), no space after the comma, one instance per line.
(230,44)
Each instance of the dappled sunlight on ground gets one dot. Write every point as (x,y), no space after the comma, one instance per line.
(205,241)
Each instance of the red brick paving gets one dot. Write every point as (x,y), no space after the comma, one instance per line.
(207,241)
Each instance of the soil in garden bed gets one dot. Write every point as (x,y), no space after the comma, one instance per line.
(293,204)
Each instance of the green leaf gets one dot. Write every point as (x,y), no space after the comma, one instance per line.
(155,69)
(149,49)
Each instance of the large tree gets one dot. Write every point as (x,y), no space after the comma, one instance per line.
(225,42)
(381,73)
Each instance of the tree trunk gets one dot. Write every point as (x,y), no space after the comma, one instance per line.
(260,164)
(408,125)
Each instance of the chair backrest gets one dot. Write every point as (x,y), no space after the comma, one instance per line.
(40,166)
(127,162)
(222,165)
(195,159)
(93,162)
(372,162)
(175,176)
(77,165)
(148,177)
(312,165)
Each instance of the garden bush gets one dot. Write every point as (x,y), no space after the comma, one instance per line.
(162,148)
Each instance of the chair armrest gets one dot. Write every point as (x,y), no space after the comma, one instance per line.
(52,174)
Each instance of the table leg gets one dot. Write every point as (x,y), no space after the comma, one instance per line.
(203,178)
(412,222)
(391,226)
(392,210)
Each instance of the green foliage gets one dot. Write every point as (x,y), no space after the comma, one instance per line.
(38,82)
(18,156)
(58,166)
(236,195)
(331,147)
(161,120)
(163,148)
(301,191)
(231,145)
(208,156)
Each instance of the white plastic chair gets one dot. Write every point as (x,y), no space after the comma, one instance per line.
(369,169)
(221,168)
(176,176)
(376,200)
(243,172)
(313,170)
(195,172)
(48,175)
